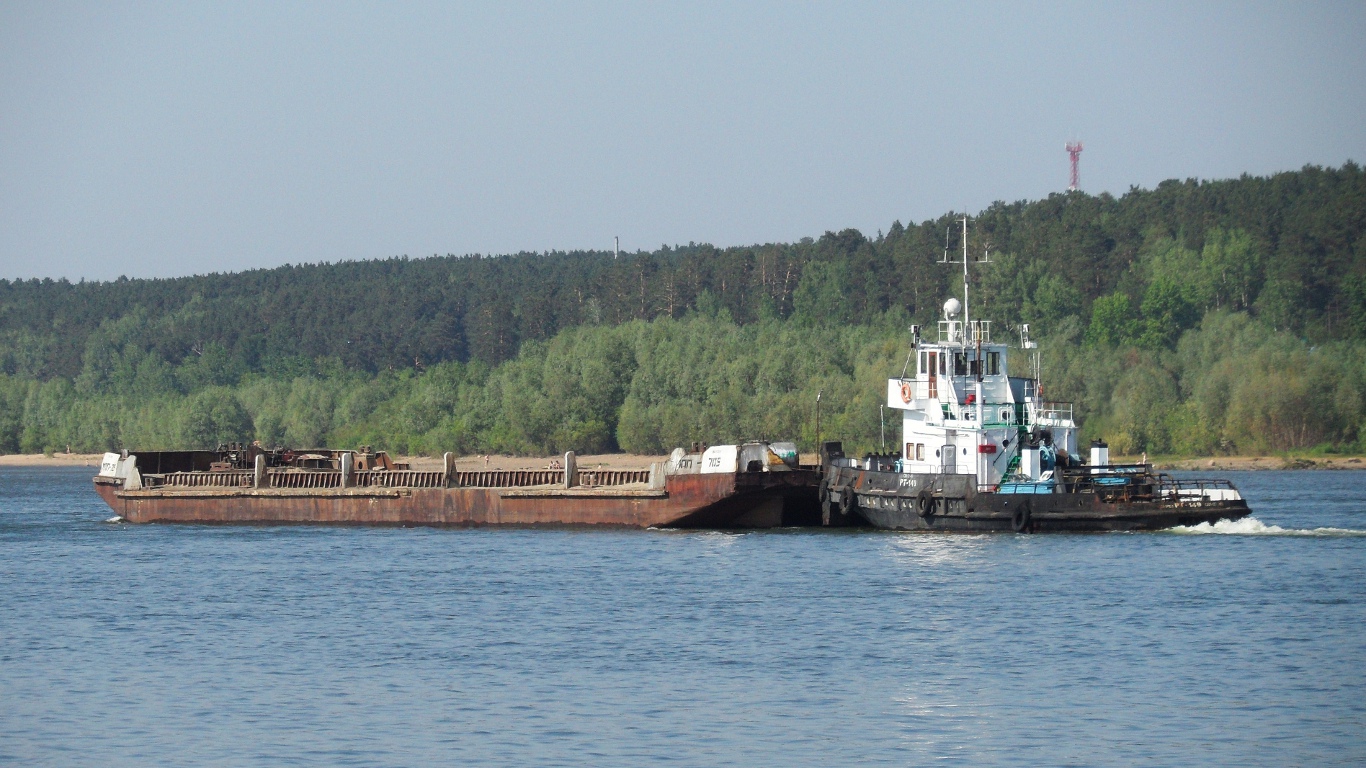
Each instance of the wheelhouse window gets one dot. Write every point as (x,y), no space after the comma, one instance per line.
(993,363)
(960,364)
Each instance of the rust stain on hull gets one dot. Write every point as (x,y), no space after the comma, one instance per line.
(687,501)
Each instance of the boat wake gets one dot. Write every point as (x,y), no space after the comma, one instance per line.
(114,519)
(1251,526)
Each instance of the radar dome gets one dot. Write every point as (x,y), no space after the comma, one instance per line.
(951,308)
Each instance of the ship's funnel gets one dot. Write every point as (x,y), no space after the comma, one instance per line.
(1100,453)
(1029,462)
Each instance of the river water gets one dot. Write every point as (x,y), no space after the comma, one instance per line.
(316,646)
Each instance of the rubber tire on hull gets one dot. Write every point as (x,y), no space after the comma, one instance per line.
(924,505)
(1021,518)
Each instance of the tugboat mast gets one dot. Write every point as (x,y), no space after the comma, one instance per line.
(967,319)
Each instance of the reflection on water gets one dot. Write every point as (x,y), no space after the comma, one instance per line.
(312,646)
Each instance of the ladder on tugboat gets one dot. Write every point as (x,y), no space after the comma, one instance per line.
(1012,466)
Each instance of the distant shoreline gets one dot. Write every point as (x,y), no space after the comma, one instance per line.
(1252,462)
(55,460)
(625,460)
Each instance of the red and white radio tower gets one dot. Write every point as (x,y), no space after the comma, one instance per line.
(1074,149)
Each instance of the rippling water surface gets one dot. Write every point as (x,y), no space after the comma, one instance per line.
(1234,644)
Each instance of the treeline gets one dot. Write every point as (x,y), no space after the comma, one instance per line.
(640,386)
(1197,317)
(1287,249)
(1233,384)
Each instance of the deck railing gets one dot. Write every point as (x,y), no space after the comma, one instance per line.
(234,479)
(332,479)
(1054,412)
(287,479)
(401,478)
(1136,482)
(1196,493)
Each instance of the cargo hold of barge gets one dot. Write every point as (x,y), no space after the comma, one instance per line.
(751,485)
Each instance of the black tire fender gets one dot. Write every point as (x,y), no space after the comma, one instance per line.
(1021,518)
(924,504)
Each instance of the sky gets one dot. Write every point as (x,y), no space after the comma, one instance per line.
(166,139)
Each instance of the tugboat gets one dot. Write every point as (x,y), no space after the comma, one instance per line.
(984,451)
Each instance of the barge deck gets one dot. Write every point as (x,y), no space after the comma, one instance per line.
(746,486)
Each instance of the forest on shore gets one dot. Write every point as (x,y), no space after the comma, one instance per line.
(1199,317)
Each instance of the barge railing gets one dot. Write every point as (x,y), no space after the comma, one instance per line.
(381,478)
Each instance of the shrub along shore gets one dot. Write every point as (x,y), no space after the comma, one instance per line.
(1230,386)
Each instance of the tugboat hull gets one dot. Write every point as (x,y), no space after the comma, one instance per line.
(1053,513)
(949,503)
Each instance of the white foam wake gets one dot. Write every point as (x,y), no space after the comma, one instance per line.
(1251,526)
(114,519)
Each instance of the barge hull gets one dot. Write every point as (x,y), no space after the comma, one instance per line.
(722,500)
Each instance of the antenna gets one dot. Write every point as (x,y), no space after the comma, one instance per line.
(1074,149)
(1027,344)
(616,247)
(915,343)
(967,319)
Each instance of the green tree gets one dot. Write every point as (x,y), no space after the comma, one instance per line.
(1112,321)
(1232,265)
(307,413)
(1166,313)
(1281,304)
(1054,299)
(822,296)
(213,416)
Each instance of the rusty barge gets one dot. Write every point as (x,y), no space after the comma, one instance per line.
(752,485)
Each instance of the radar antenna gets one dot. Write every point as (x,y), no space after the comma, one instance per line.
(967,320)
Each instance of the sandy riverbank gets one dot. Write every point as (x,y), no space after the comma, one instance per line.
(55,460)
(1253,462)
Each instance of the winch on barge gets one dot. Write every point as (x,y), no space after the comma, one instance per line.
(983,451)
(752,485)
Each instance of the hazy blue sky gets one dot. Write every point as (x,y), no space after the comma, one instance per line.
(169,139)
